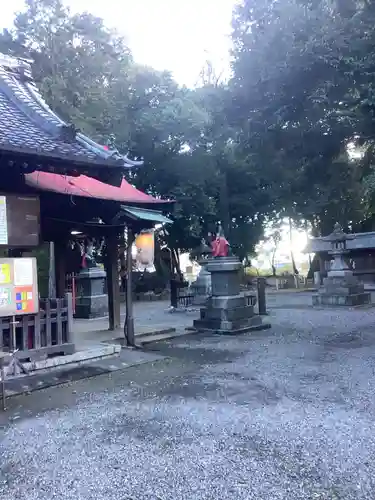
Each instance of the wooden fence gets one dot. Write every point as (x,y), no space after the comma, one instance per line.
(40,335)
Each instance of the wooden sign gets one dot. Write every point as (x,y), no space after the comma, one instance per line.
(19,220)
(18,286)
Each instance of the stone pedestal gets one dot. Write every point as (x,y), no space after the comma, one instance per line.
(226,310)
(341,288)
(201,288)
(92,297)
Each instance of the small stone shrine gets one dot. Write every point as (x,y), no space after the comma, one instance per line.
(92,298)
(201,288)
(226,310)
(341,287)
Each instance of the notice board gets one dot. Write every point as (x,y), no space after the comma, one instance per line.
(18,286)
(19,220)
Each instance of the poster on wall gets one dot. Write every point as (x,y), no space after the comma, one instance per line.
(18,286)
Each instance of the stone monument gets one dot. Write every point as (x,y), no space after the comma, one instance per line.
(341,287)
(226,310)
(92,297)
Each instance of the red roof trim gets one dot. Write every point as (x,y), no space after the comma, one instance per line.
(88,187)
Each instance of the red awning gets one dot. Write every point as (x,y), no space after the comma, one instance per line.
(88,188)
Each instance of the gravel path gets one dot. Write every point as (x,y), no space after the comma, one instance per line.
(283,414)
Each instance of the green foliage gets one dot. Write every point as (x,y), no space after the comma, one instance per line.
(302,91)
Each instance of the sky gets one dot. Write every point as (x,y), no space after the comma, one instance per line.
(177,35)
(283,256)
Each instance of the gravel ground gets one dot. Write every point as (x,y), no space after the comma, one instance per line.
(286,413)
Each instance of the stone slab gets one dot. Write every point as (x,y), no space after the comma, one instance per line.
(148,337)
(223,264)
(79,357)
(224,314)
(219,325)
(72,372)
(342,290)
(89,307)
(227,301)
(360,299)
(239,331)
(340,273)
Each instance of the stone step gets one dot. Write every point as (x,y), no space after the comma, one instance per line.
(78,358)
(157,337)
(162,331)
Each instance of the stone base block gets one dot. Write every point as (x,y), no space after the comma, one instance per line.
(238,331)
(91,307)
(333,300)
(343,290)
(230,327)
(344,280)
(236,314)
(199,300)
(227,302)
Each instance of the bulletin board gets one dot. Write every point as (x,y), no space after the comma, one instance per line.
(18,286)
(19,221)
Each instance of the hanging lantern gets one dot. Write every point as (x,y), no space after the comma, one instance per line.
(145,245)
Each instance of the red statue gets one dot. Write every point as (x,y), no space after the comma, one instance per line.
(220,245)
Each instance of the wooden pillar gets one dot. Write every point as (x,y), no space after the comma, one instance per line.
(111,267)
(60,268)
(51,272)
(129,319)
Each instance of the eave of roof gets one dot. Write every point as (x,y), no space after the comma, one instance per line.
(30,127)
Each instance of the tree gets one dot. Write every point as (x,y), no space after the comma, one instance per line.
(77,64)
(275,238)
(87,75)
(301,92)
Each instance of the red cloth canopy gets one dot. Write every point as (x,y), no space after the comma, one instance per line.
(88,188)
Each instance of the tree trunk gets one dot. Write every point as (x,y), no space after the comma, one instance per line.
(273,263)
(294,267)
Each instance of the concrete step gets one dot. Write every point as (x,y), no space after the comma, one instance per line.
(78,358)
(157,337)
(155,332)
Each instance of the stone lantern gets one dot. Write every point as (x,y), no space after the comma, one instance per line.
(227,310)
(341,287)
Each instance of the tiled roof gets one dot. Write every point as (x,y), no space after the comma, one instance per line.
(29,126)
